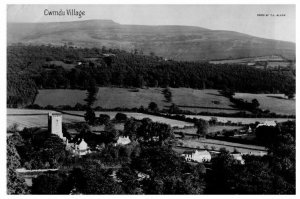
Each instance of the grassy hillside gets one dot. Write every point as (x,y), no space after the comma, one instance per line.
(207,100)
(27,118)
(56,97)
(239,120)
(109,98)
(34,118)
(172,42)
(277,103)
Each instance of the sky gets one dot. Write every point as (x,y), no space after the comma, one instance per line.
(240,18)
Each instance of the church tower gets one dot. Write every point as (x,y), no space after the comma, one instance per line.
(55,124)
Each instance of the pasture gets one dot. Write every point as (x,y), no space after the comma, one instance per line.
(139,116)
(56,97)
(240,120)
(35,118)
(207,100)
(269,59)
(211,144)
(38,118)
(62,64)
(211,129)
(277,103)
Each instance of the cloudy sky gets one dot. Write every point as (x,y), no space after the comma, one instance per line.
(240,18)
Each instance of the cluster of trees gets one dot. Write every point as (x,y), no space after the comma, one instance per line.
(252,106)
(271,174)
(147,132)
(15,184)
(165,172)
(40,149)
(93,179)
(132,70)
(21,90)
(143,168)
(151,170)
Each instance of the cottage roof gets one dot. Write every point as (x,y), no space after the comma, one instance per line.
(200,152)
(189,151)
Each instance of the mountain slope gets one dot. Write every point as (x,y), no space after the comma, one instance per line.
(172,42)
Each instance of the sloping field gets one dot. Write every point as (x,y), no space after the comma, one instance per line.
(62,64)
(18,111)
(56,97)
(217,145)
(38,118)
(139,116)
(276,103)
(207,100)
(211,129)
(127,98)
(34,118)
(240,119)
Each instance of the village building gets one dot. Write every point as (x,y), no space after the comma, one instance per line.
(238,157)
(80,148)
(267,123)
(123,140)
(77,146)
(197,156)
(55,124)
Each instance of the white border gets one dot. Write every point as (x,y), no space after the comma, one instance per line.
(3,23)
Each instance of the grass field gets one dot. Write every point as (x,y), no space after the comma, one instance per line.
(62,64)
(217,145)
(56,97)
(207,100)
(27,118)
(211,129)
(276,103)
(238,120)
(139,116)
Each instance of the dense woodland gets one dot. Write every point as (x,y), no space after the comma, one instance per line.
(33,67)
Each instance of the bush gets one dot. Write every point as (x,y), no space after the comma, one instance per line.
(153,106)
(103,119)
(121,117)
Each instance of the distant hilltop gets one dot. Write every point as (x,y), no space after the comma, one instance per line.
(188,43)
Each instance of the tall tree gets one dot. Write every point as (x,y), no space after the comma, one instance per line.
(15,185)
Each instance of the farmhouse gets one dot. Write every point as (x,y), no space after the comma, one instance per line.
(238,157)
(196,155)
(80,147)
(267,123)
(123,140)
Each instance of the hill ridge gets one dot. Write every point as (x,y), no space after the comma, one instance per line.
(187,43)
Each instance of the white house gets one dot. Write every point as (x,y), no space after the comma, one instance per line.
(198,156)
(123,140)
(78,148)
(267,123)
(238,157)
(82,148)
(256,153)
